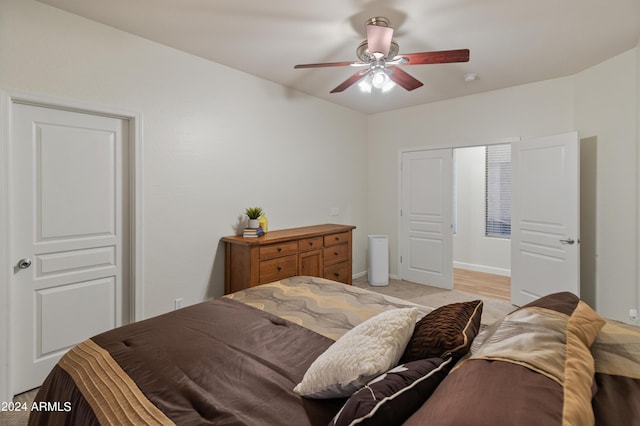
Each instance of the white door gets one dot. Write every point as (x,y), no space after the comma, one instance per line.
(69,235)
(545,251)
(426,240)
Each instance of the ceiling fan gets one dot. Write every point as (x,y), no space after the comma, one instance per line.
(380,60)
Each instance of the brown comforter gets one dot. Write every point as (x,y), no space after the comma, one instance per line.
(617,375)
(220,362)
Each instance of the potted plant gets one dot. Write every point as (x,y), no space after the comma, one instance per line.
(254,214)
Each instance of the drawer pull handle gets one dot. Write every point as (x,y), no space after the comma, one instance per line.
(310,243)
(279,249)
(279,268)
(335,253)
(337,274)
(337,238)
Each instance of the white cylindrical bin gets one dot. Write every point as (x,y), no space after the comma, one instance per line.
(378,260)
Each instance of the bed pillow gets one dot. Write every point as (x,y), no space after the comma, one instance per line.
(392,397)
(449,329)
(531,367)
(364,352)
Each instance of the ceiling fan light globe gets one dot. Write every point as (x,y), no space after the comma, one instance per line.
(379,79)
(388,86)
(365,86)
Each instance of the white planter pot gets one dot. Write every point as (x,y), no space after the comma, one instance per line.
(254,223)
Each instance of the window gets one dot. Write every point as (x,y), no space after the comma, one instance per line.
(498,191)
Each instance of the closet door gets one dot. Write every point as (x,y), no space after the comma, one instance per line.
(426,238)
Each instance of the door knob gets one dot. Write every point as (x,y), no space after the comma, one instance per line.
(24,263)
(568,241)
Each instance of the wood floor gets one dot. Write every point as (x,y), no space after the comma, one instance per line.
(490,285)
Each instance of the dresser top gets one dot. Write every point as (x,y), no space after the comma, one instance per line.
(289,234)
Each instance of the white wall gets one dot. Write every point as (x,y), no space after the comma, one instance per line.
(216,140)
(605,109)
(600,102)
(472,249)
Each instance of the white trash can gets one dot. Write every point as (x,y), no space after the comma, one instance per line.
(378,260)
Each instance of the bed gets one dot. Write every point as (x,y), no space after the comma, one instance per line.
(309,351)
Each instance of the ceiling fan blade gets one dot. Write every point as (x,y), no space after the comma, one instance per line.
(438,57)
(351,80)
(330,64)
(402,78)
(379,39)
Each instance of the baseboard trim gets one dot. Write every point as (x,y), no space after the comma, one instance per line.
(482,268)
(363,273)
(359,274)
(458,265)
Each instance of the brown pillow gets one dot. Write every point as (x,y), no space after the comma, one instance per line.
(448,330)
(394,396)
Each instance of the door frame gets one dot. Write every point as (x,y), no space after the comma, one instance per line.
(451,146)
(136,281)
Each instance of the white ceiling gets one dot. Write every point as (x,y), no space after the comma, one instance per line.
(512,42)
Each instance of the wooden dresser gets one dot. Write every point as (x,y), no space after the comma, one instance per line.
(319,251)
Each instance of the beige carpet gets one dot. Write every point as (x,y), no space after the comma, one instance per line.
(18,418)
(416,293)
(434,297)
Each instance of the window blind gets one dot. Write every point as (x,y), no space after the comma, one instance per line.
(498,191)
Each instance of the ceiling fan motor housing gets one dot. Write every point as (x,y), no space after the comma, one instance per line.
(380,21)
(362,51)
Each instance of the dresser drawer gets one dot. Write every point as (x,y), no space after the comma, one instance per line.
(339,272)
(307,244)
(278,268)
(317,251)
(275,250)
(333,239)
(336,254)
